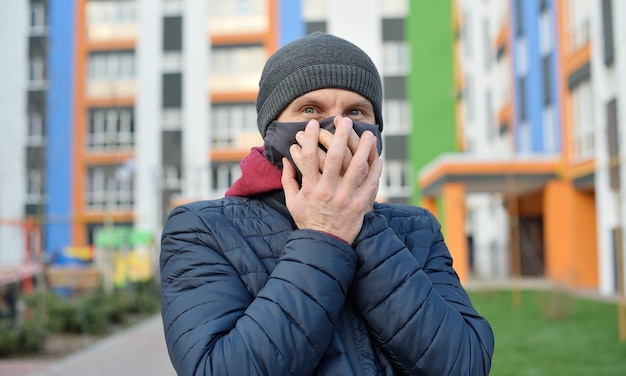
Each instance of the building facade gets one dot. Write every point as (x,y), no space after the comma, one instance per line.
(136,106)
(23,71)
(539,86)
(503,119)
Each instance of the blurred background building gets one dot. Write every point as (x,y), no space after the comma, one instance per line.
(501,117)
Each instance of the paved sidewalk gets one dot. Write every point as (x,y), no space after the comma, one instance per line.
(136,351)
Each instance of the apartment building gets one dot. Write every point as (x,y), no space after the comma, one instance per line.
(131,107)
(503,119)
(23,93)
(538,133)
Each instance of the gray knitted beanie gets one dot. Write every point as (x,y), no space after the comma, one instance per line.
(317,61)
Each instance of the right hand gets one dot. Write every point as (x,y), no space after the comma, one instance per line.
(339,187)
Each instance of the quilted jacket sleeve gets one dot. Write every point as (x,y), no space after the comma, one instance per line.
(413,301)
(212,323)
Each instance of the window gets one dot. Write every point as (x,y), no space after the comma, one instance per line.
(115,65)
(396,116)
(223,176)
(35,134)
(519,20)
(34,185)
(36,70)
(582,121)
(111,19)
(234,8)
(607,28)
(490,123)
(234,125)
(547,80)
(173,33)
(107,189)
(524,138)
(393,29)
(37,17)
(111,74)
(487,44)
(172,90)
(466,34)
(395,58)
(315,9)
(395,177)
(111,129)
(237,16)
(545,33)
(171,177)
(612,140)
(393,8)
(468,98)
(549,130)
(522,98)
(236,68)
(579,23)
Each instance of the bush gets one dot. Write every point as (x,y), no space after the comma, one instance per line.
(32,336)
(29,337)
(90,313)
(9,337)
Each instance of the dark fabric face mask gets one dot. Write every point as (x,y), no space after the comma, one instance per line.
(279,136)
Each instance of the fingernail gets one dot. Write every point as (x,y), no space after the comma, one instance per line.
(299,135)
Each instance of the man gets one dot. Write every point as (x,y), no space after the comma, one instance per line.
(297,270)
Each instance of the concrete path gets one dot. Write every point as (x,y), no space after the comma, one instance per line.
(136,351)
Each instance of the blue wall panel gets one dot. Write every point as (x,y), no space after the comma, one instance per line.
(59,99)
(291,25)
(534,92)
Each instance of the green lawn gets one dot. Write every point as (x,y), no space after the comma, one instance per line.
(552,334)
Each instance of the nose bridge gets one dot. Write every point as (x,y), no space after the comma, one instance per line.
(336,109)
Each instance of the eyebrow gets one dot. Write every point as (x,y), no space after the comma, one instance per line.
(363,103)
(315,101)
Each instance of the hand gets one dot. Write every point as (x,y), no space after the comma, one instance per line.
(338,187)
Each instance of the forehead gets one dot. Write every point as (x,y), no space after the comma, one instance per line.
(333,96)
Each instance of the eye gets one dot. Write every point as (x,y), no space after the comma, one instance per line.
(309,110)
(354,113)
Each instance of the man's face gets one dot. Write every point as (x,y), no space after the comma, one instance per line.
(324,103)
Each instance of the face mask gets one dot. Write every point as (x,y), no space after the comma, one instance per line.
(279,136)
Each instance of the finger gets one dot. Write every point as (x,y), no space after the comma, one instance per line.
(326,138)
(321,156)
(308,162)
(360,163)
(369,187)
(374,150)
(288,179)
(353,141)
(333,166)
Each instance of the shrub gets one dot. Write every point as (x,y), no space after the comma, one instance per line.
(9,337)
(92,312)
(28,337)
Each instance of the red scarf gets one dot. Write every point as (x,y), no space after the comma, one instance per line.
(258,175)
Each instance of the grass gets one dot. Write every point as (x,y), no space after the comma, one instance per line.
(552,333)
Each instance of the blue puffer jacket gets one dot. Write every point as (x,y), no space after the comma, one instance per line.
(243,293)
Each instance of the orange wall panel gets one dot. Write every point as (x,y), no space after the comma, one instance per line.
(585,261)
(78,235)
(454,227)
(430,204)
(570,236)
